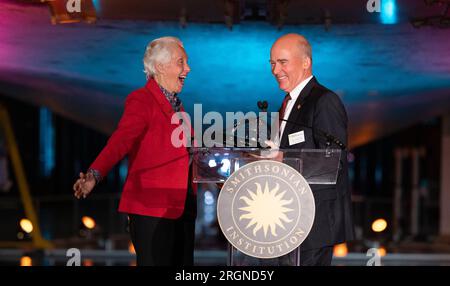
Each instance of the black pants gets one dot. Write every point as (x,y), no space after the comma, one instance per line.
(316,257)
(165,242)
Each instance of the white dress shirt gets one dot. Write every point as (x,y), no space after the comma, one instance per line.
(294,96)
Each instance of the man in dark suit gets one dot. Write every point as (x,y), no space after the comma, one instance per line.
(310,109)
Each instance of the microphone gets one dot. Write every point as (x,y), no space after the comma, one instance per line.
(330,138)
(263,105)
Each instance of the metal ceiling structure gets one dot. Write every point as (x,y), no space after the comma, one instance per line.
(389,76)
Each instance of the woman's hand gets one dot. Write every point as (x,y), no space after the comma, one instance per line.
(84,185)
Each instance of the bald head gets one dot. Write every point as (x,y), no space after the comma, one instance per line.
(291,60)
(296,42)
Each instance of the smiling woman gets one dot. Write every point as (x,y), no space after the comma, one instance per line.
(160,208)
(165,60)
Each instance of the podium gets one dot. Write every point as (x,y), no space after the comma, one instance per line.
(266,205)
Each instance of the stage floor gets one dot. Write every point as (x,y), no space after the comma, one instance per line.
(58,257)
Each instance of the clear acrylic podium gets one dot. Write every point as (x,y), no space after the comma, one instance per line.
(215,165)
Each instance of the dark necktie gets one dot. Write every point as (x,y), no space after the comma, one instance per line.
(283,108)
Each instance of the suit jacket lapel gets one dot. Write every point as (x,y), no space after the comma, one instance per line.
(295,112)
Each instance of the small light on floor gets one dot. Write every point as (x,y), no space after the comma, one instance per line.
(340,250)
(131,248)
(379,225)
(88,262)
(26,225)
(382,251)
(88,222)
(26,261)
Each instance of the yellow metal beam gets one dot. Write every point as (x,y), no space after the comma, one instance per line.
(17,244)
(38,240)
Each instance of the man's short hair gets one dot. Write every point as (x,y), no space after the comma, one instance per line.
(305,48)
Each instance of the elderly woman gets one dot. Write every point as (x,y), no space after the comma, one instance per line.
(160,206)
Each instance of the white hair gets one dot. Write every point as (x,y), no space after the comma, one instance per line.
(305,47)
(158,51)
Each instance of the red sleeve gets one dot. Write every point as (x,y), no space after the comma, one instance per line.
(131,126)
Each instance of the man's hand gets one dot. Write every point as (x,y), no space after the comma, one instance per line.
(272,154)
(84,185)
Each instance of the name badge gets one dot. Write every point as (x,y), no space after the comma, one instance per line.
(297,137)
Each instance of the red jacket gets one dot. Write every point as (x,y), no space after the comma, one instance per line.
(157,179)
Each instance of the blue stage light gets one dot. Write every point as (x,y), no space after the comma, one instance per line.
(388,12)
(47,142)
